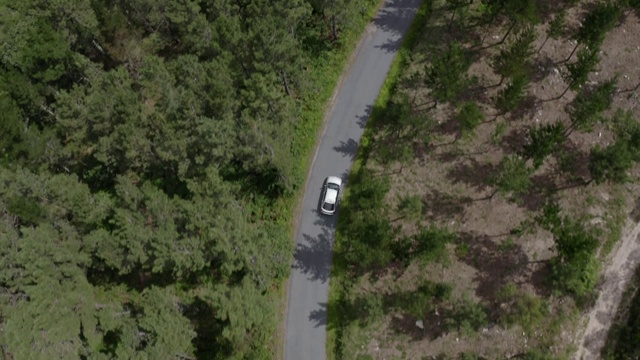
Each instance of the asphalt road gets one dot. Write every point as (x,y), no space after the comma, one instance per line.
(309,281)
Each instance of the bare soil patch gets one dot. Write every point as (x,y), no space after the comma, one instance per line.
(497,250)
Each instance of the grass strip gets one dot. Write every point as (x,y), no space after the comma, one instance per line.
(339,280)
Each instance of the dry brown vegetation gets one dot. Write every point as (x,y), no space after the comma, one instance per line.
(500,258)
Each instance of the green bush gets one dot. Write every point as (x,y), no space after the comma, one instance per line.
(410,207)
(523,308)
(365,223)
(369,308)
(431,244)
(509,98)
(26,209)
(467,317)
(420,302)
(576,278)
(469,116)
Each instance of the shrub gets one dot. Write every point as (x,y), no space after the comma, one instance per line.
(369,308)
(509,98)
(523,308)
(366,224)
(469,116)
(410,207)
(431,243)
(467,317)
(420,302)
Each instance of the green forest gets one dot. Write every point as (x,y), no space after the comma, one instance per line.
(149,154)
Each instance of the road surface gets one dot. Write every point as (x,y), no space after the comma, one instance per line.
(309,280)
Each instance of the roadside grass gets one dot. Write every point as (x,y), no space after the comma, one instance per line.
(324,76)
(620,343)
(615,220)
(339,276)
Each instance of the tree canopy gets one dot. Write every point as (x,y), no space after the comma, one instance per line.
(143,145)
(446,76)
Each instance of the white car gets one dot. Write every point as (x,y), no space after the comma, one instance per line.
(330,194)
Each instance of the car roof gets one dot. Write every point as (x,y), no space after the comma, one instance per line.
(331,196)
(335,180)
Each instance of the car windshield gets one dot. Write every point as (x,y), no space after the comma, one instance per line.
(333,186)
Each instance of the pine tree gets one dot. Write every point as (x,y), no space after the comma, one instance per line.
(544,140)
(556,27)
(598,22)
(514,60)
(578,72)
(446,76)
(470,117)
(509,98)
(513,177)
(588,106)
(611,163)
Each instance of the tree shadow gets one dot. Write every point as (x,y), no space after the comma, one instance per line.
(578,167)
(208,329)
(313,258)
(447,156)
(542,68)
(496,265)
(451,126)
(348,148)
(542,185)
(547,8)
(345,181)
(395,18)
(540,277)
(323,220)
(403,305)
(319,316)
(527,108)
(438,205)
(475,93)
(635,213)
(362,119)
(472,173)
(513,141)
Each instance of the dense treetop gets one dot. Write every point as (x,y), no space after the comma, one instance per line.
(143,144)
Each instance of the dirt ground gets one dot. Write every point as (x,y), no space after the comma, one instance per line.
(452,179)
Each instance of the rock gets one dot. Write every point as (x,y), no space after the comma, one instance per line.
(420,324)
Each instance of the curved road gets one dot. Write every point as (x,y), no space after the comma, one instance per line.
(309,280)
